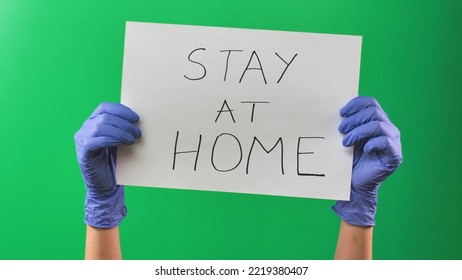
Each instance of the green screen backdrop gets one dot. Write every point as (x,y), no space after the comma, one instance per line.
(60,59)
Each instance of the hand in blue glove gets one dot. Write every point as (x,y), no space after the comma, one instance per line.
(377,153)
(96,143)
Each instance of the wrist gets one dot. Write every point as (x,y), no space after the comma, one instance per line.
(360,210)
(105,212)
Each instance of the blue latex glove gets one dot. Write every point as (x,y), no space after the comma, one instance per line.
(377,153)
(96,143)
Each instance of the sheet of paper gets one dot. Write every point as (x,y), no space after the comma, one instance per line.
(238,110)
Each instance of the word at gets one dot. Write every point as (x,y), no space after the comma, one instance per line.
(230,111)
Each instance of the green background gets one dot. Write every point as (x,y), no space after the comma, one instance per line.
(60,59)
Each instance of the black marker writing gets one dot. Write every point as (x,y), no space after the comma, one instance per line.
(220,139)
(175,151)
(254,53)
(227,110)
(203,67)
(255,139)
(254,63)
(306,153)
(253,106)
(287,65)
(227,60)
(213,153)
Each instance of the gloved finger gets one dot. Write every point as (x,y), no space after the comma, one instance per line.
(370,130)
(95,143)
(114,132)
(119,123)
(390,149)
(363,116)
(116,109)
(357,104)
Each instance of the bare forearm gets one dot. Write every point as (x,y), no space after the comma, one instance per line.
(102,244)
(354,242)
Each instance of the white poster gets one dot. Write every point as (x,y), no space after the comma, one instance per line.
(238,110)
